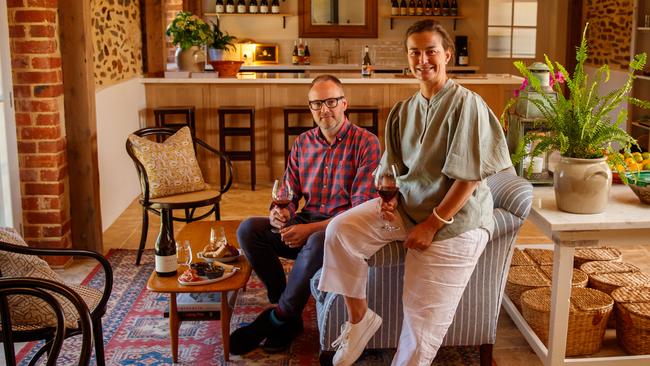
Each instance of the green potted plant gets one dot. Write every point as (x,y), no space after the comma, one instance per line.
(221,43)
(189,33)
(580,128)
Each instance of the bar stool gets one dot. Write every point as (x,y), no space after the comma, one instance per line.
(293,130)
(237,155)
(162,116)
(366,109)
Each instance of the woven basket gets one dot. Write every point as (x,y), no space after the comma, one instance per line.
(543,257)
(608,282)
(588,313)
(600,267)
(584,255)
(633,319)
(524,278)
(520,258)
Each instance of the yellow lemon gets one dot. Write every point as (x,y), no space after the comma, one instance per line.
(646,166)
(646,155)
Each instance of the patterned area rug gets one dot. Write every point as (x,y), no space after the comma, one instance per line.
(135,332)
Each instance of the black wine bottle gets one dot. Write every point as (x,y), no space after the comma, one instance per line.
(241,7)
(275,7)
(419,8)
(252,7)
(437,11)
(394,7)
(463,57)
(306,59)
(219,7)
(403,8)
(230,6)
(366,65)
(445,8)
(412,7)
(453,11)
(165,249)
(428,8)
(295,59)
(264,7)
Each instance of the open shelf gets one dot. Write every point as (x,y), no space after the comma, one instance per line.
(642,77)
(417,17)
(283,15)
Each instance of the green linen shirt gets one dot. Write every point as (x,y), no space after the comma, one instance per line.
(453,136)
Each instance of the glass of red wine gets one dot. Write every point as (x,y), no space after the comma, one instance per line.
(282,196)
(387,187)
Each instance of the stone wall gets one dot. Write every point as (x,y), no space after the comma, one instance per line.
(609,33)
(117,40)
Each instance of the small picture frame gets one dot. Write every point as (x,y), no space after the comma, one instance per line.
(265,54)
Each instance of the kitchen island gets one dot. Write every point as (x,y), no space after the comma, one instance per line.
(270,92)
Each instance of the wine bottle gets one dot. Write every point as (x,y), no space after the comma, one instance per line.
(295,59)
(437,11)
(301,50)
(411,7)
(445,8)
(264,7)
(230,7)
(453,11)
(403,9)
(428,8)
(394,8)
(241,7)
(219,7)
(463,57)
(366,65)
(419,8)
(275,7)
(165,248)
(306,59)
(252,7)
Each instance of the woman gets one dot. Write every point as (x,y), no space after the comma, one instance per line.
(444,141)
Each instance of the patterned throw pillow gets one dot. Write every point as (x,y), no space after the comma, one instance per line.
(29,310)
(171,166)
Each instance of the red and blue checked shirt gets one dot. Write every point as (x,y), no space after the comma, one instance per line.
(333,178)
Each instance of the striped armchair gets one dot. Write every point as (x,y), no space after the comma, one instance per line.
(475,322)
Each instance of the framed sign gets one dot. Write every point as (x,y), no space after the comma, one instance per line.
(266,54)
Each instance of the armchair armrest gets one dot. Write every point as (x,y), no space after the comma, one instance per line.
(511,192)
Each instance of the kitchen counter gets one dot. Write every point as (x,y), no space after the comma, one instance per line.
(344,67)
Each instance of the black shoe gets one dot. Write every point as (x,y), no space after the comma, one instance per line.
(247,338)
(282,336)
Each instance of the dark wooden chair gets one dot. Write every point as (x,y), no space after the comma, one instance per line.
(229,131)
(188,202)
(28,333)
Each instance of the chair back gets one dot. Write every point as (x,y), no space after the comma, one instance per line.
(39,288)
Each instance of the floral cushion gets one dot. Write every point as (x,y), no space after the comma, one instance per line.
(171,166)
(29,310)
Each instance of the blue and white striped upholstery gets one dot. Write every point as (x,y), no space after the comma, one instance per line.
(475,322)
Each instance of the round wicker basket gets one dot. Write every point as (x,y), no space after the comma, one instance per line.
(543,257)
(600,267)
(583,255)
(588,313)
(633,319)
(520,258)
(524,278)
(579,279)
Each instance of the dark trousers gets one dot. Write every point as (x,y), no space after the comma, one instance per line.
(263,249)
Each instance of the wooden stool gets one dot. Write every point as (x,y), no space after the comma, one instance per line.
(292,130)
(366,109)
(161,115)
(237,155)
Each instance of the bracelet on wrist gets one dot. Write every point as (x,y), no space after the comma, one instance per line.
(447,222)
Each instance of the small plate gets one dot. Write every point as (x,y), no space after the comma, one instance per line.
(208,280)
(222,260)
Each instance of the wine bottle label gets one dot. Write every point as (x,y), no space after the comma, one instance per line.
(403,11)
(166,264)
(220,9)
(230,8)
(241,9)
(394,11)
(365,70)
(275,9)
(252,9)
(463,60)
(264,9)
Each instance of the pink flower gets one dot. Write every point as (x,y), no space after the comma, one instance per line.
(559,78)
(522,87)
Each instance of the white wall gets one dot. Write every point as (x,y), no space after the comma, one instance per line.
(118,114)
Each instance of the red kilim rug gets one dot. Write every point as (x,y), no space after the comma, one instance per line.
(135,332)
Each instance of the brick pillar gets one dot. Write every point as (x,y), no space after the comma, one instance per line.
(172,7)
(38,89)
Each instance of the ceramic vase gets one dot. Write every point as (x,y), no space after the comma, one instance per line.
(191,59)
(582,185)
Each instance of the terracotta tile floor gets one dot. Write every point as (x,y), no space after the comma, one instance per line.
(510,349)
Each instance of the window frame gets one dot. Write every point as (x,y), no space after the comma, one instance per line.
(511,27)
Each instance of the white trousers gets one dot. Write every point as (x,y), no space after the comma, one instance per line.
(434,279)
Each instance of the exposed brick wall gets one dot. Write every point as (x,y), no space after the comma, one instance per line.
(609,34)
(40,124)
(171,7)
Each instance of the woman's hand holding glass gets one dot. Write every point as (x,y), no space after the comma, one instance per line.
(282,196)
(388,188)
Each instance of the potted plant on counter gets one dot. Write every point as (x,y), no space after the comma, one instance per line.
(579,126)
(189,33)
(221,43)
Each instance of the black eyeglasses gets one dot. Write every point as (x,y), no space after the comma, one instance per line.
(316,105)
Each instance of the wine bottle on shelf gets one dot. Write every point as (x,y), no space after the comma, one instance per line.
(252,7)
(295,59)
(403,8)
(306,59)
(437,11)
(230,7)
(301,51)
(411,7)
(394,8)
(264,7)
(453,11)
(275,7)
(165,248)
(445,8)
(241,7)
(366,64)
(419,8)
(219,7)
(428,8)
(463,57)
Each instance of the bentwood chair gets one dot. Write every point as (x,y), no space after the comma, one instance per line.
(36,287)
(19,260)
(475,321)
(188,202)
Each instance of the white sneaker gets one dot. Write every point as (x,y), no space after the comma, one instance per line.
(354,338)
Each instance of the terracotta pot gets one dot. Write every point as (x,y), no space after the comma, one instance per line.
(191,59)
(226,68)
(582,185)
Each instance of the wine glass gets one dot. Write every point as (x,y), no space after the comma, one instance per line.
(387,187)
(184,253)
(281,195)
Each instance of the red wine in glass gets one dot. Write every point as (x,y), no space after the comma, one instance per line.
(281,195)
(387,193)
(282,203)
(387,187)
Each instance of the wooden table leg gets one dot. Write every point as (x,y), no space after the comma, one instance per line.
(174,325)
(225,325)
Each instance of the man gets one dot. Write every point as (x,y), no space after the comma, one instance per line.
(330,166)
